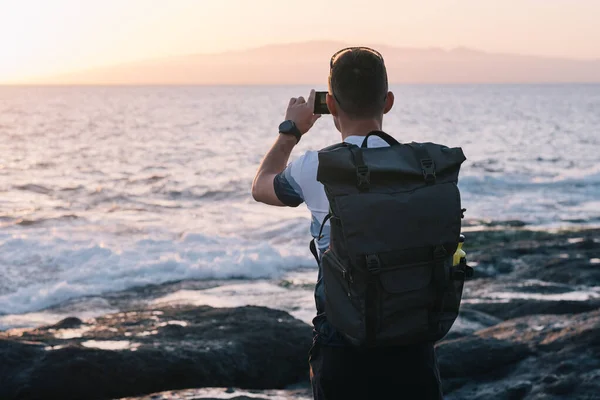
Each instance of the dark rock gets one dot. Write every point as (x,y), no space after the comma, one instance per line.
(561,257)
(481,318)
(452,384)
(523,307)
(552,332)
(505,266)
(533,357)
(474,355)
(470,321)
(562,386)
(519,390)
(575,271)
(67,323)
(513,223)
(551,378)
(566,367)
(205,347)
(232,398)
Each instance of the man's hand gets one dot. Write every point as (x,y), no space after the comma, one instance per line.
(301,112)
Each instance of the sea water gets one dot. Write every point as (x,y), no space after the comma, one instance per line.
(107,188)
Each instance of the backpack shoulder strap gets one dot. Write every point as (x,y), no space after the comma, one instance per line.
(313,246)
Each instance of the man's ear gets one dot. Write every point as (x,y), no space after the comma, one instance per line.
(331,105)
(389,102)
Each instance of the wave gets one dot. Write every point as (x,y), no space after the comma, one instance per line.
(39,221)
(148,180)
(512,181)
(72,188)
(48,271)
(43,165)
(206,195)
(32,187)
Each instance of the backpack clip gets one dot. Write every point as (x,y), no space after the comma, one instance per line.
(428,168)
(363,177)
(373,264)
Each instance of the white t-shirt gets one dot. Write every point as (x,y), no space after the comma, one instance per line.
(298,183)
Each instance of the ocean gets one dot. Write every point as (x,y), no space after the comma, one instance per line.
(108,190)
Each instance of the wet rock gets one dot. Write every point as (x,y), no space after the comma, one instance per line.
(550,378)
(67,323)
(562,257)
(472,356)
(519,390)
(162,349)
(560,359)
(547,332)
(233,398)
(576,270)
(513,223)
(562,386)
(522,307)
(470,321)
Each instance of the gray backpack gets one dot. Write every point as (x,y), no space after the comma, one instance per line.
(395,216)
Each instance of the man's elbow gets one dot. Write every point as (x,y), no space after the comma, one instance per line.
(257,193)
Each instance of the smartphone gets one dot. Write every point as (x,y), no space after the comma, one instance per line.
(321,103)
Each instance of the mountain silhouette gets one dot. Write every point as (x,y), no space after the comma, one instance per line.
(308,63)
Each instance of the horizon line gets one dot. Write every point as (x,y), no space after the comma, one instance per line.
(22,81)
(58,85)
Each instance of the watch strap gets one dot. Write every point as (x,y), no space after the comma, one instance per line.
(290,128)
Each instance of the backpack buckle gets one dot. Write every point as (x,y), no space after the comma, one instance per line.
(428,168)
(363,177)
(373,264)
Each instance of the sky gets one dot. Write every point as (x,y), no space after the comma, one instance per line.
(47,37)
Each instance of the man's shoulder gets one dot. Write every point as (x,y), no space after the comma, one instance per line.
(306,160)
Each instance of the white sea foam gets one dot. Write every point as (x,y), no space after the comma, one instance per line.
(43,271)
(111,344)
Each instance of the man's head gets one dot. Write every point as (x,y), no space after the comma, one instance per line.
(358,86)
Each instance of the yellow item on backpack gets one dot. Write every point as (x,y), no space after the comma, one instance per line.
(460,254)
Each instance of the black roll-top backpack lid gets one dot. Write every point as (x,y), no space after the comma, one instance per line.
(395,224)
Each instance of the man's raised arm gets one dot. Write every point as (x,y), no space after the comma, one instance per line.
(299,118)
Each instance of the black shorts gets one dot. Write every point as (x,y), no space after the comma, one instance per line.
(384,373)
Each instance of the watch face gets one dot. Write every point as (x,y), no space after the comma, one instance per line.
(286,127)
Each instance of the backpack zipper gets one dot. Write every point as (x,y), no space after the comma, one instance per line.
(346,273)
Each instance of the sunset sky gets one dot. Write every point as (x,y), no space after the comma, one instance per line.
(45,37)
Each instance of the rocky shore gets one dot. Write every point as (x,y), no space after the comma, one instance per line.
(147,351)
(529,329)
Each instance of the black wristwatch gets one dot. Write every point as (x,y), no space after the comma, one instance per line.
(289,128)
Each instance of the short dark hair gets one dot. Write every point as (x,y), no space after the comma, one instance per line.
(358,81)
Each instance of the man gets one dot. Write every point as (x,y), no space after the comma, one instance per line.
(358,98)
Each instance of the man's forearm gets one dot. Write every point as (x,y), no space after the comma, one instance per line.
(278,156)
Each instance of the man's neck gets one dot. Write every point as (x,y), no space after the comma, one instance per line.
(360,128)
